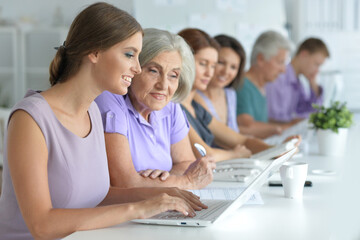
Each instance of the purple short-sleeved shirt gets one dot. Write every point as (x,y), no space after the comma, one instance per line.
(149,142)
(287,99)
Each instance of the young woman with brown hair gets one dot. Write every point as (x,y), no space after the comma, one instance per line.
(56,178)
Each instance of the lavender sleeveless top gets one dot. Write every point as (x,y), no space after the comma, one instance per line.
(77,167)
(231,107)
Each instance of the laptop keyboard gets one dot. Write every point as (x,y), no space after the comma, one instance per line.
(243,170)
(215,207)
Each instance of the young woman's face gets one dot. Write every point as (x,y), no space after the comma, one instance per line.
(227,67)
(157,83)
(205,63)
(117,66)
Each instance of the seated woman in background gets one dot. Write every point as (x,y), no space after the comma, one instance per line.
(56,177)
(219,98)
(146,133)
(209,129)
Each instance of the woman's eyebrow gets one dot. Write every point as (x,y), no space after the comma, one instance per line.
(155,64)
(132,48)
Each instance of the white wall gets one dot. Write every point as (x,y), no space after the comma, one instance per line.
(213,16)
(337,22)
(242,19)
(41,12)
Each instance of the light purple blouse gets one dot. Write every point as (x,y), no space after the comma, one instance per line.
(149,142)
(77,167)
(231,108)
(287,99)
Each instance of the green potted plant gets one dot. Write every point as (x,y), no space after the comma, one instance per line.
(332,125)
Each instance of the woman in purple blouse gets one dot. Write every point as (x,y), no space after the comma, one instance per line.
(146,132)
(56,178)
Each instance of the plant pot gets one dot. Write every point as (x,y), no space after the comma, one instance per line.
(332,143)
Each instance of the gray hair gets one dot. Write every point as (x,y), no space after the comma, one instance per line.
(268,44)
(156,41)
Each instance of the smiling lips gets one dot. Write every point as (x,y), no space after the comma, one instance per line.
(127,79)
(158,96)
(205,81)
(222,79)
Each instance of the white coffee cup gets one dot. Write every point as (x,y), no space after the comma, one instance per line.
(293,176)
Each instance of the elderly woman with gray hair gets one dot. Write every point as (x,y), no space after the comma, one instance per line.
(146,132)
(268,58)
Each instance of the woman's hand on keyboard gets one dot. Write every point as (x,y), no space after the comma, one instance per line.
(189,197)
(157,173)
(172,199)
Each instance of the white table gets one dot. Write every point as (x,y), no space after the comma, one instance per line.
(329,210)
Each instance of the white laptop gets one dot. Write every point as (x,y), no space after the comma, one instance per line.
(245,169)
(276,150)
(301,128)
(218,209)
(239,170)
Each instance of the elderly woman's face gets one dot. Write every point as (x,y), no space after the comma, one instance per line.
(205,63)
(157,83)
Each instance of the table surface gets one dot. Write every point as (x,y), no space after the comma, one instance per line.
(330,209)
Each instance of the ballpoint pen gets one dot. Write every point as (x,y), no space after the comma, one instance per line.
(201,149)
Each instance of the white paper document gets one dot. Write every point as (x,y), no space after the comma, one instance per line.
(226,194)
